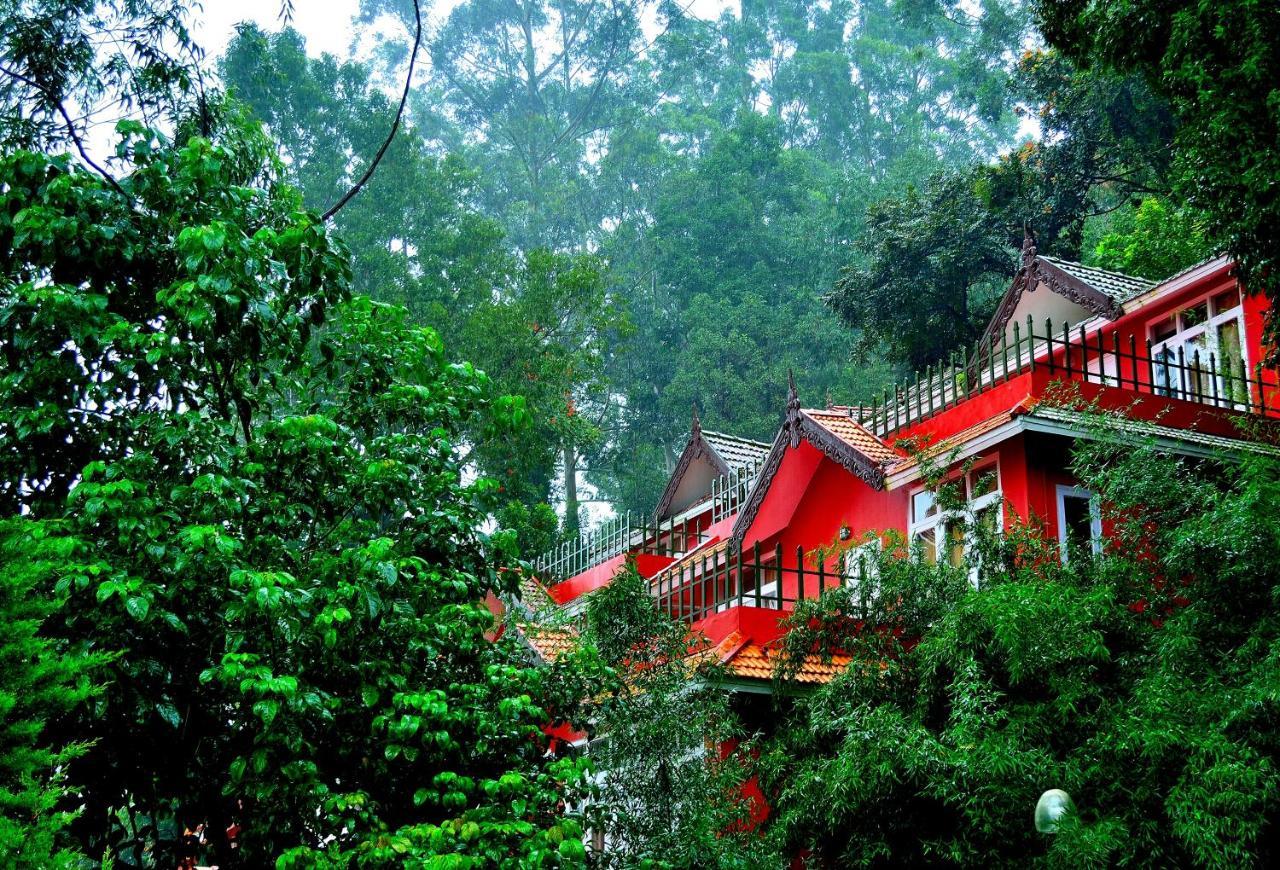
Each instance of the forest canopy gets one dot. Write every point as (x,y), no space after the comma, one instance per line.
(295,376)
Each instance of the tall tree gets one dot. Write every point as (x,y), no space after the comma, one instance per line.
(540,323)
(266,513)
(1217,64)
(950,245)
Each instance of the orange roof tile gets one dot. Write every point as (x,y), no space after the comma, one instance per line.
(549,642)
(533,593)
(840,424)
(745,659)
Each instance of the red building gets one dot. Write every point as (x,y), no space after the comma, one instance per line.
(742,529)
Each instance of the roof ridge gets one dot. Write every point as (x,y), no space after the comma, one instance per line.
(735,437)
(1125,275)
(1178,274)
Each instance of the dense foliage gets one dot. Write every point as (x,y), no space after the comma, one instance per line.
(1144,681)
(672,791)
(1218,65)
(254,523)
(719,166)
(255,485)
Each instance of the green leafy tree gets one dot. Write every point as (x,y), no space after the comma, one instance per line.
(667,745)
(950,244)
(1142,681)
(41,682)
(1217,64)
(1155,241)
(541,324)
(259,475)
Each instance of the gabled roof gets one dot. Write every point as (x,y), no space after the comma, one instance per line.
(734,451)
(1098,291)
(835,433)
(1119,287)
(723,452)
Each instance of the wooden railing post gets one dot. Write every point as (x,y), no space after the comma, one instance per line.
(1133,361)
(778,560)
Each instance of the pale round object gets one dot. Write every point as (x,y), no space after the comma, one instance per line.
(1052,806)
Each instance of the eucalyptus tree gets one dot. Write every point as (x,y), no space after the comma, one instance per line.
(540,323)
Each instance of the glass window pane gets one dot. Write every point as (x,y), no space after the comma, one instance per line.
(955,543)
(1164,330)
(923,505)
(983,482)
(928,545)
(988,518)
(1077,520)
(1195,315)
(1231,361)
(1226,300)
(1197,364)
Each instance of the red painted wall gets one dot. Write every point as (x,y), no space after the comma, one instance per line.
(794,475)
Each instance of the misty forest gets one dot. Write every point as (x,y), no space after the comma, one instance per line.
(305,359)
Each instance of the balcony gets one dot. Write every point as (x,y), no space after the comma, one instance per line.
(1068,355)
(721,577)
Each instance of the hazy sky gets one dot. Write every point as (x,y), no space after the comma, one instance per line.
(325,23)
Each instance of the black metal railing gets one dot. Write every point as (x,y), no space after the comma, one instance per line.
(722,578)
(1071,354)
(631,533)
(624,534)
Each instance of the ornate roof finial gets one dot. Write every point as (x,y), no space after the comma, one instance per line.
(793,409)
(696,429)
(1028,245)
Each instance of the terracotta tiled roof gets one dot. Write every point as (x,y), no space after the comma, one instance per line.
(549,642)
(736,452)
(533,594)
(748,660)
(840,424)
(1115,285)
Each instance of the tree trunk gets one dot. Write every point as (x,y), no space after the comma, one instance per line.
(570,491)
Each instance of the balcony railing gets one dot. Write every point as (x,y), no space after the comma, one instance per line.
(624,534)
(729,491)
(1205,379)
(721,579)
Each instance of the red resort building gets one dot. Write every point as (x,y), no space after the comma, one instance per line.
(744,529)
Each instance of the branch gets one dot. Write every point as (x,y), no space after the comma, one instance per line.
(395,126)
(71,129)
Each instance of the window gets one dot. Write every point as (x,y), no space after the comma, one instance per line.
(951,535)
(861,568)
(1198,352)
(1079,521)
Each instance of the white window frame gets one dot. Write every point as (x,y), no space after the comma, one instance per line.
(940,521)
(1064,491)
(1165,351)
(861,564)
